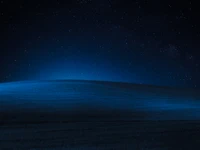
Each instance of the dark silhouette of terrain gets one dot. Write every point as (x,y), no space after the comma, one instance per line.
(73,114)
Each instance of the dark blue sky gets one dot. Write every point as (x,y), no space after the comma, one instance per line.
(132,41)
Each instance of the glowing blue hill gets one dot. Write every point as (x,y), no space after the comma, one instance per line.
(98,98)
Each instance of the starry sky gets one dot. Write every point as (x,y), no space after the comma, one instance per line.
(144,42)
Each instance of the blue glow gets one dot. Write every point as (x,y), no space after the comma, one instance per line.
(81,70)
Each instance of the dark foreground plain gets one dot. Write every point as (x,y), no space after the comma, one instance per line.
(96,115)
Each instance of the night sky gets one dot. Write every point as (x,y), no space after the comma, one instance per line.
(145,42)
